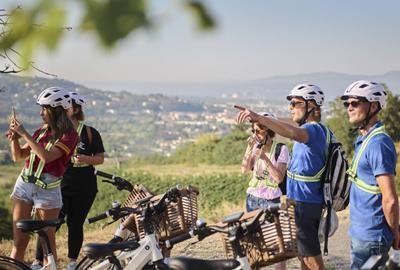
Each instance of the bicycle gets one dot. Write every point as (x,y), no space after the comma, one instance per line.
(374,262)
(39,227)
(140,252)
(146,253)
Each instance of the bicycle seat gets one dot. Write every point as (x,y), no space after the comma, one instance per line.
(29,225)
(185,263)
(96,251)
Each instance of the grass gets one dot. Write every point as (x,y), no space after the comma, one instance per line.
(222,191)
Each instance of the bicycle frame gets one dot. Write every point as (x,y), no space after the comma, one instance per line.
(148,251)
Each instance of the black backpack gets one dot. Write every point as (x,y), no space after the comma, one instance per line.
(282,185)
(336,184)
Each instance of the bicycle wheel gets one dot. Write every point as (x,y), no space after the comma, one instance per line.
(7,263)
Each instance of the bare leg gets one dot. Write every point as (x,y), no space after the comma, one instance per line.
(45,214)
(312,263)
(21,210)
(280,266)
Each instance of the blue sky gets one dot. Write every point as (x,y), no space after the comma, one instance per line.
(254,39)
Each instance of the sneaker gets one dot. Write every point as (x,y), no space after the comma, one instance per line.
(36,265)
(71,265)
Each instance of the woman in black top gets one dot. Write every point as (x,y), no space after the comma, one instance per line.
(79,185)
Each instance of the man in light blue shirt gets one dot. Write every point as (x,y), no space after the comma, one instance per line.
(374,209)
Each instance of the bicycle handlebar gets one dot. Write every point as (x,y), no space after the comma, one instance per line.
(120,212)
(97,218)
(119,182)
(207,230)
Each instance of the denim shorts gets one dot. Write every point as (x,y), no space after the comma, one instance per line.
(308,216)
(362,250)
(254,203)
(38,197)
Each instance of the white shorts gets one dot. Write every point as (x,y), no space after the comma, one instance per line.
(37,196)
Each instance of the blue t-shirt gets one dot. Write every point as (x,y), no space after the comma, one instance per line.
(368,222)
(308,159)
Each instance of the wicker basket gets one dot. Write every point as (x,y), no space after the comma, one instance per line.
(139,192)
(179,217)
(274,241)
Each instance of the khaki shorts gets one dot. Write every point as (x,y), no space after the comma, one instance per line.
(38,197)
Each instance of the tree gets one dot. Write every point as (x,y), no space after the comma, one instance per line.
(26,30)
(391,115)
(338,122)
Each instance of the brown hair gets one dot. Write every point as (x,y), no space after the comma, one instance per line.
(58,121)
(269,132)
(80,116)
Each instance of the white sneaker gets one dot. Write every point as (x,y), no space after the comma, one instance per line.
(71,265)
(36,265)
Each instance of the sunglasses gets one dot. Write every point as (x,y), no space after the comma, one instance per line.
(354,103)
(258,131)
(293,103)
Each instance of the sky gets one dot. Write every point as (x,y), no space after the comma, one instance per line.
(253,39)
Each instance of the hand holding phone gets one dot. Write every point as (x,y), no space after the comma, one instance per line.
(13,118)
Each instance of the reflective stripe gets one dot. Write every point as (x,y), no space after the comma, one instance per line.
(73,159)
(265,177)
(364,186)
(35,178)
(40,183)
(352,171)
(317,177)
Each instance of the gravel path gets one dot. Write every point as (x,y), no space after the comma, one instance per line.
(338,258)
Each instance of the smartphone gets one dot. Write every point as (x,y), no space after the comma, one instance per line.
(12,115)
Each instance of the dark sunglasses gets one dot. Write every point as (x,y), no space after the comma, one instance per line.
(255,130)
(354,103)
(293,103)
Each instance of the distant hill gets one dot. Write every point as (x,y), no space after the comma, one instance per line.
(271,88)
(129,124)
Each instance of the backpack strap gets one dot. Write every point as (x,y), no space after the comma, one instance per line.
(89,134)
(278,150)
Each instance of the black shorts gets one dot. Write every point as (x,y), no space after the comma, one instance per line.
(308,216)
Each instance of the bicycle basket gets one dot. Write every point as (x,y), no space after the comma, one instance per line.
(139,192)
(273,241)
(179,217)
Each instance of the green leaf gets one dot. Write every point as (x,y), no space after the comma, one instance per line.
(203,17)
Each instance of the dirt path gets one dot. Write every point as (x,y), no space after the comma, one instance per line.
(210,248)
(338,258)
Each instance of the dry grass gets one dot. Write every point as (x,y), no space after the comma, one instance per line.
(62,250)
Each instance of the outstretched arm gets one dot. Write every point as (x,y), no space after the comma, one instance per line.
(284,129)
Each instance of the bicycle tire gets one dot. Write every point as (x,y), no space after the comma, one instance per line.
(7,263)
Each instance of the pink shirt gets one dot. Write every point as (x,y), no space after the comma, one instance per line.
(262,191)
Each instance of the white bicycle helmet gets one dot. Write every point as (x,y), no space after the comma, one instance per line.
(307,92)
(371,91)
(55,96)
(77,98)
(267,114)
(334,225)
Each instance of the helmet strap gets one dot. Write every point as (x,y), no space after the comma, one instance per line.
(303,120)
(365,122)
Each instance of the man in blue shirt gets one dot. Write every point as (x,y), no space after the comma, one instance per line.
(374,209)
(306,166)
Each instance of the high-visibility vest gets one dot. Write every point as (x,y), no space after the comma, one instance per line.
(314,178)
(352,171)
(73,159)
(29,176)
(265,177)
